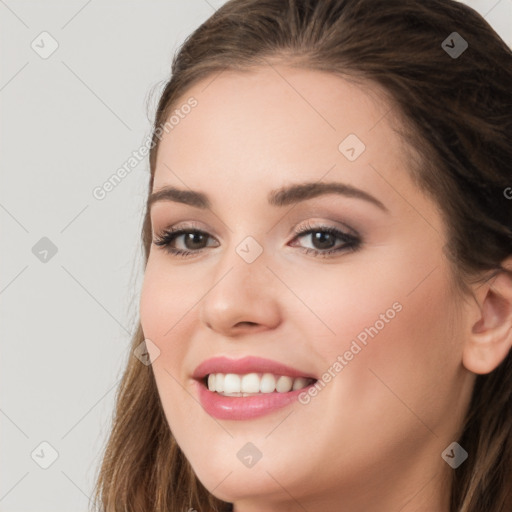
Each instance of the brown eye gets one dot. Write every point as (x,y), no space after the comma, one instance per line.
(324,240)
(193,241)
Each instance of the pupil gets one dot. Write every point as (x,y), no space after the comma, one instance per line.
(322,238)
(193,237)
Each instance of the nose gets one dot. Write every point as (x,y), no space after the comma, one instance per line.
(241,297)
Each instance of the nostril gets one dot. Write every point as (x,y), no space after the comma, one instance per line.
(246,323)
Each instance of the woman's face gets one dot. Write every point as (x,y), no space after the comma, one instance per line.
(367,308)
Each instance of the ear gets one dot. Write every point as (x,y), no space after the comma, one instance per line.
(490,338)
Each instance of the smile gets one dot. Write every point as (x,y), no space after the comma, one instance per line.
(232,384)
(240,389)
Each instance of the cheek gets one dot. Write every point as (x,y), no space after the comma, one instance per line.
(164,300)
(410,357)
(359,301)
(151,304)
(161,311)
(160,315)
(169,303)
(393,329)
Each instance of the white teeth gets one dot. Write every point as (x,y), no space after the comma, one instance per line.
(219,381)
(267,383)
(250,383)
(232,384)
(284,384)
(299,383)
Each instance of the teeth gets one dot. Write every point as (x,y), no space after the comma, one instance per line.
(250,383)
(300,383)
(267,383)
(232,384)
(219,381)
(284,384)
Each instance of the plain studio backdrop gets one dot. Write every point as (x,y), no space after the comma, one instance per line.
(78,80)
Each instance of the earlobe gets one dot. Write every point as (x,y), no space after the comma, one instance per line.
(490,337)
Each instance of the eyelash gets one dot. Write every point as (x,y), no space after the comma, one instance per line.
(352,242)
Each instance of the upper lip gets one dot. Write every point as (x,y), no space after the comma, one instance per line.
(248,364)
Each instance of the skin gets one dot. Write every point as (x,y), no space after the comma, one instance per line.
(372,439)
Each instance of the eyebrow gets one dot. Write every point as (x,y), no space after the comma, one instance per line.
(281,197)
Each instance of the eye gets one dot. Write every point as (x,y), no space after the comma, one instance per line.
(324,240)
(193,239)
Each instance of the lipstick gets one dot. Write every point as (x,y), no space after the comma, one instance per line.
(249,387)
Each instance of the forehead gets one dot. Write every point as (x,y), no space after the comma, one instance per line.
(276,124)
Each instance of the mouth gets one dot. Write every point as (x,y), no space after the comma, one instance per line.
(253,384)
(247,388)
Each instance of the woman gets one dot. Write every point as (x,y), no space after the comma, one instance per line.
(327,299)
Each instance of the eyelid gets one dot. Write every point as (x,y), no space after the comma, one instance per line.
(322,224)
(295,229)
(189,225)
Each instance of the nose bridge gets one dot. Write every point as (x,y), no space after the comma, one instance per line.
(242,270)
(241,290)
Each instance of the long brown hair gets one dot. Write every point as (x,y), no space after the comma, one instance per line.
(456,117)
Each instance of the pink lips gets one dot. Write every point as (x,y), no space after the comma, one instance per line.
(240,408)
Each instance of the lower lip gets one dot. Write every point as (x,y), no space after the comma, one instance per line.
(244,408)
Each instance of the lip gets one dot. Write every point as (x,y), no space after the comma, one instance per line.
(249,407)
(248,364)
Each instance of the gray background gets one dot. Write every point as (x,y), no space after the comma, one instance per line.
(67,123)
